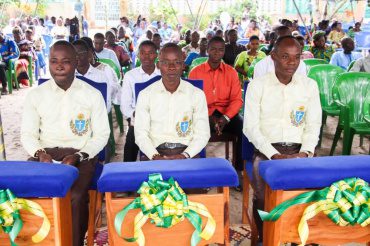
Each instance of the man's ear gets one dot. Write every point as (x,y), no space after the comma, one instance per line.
(273,55)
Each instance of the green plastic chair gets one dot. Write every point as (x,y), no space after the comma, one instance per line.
(350,65)
(30,71)
(10,76)
(306,47)
(312,62)
(251,68)
(116,69)
(197,61)
(325,76)
(353,95)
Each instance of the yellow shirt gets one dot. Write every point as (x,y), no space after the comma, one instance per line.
(275,112)
(179,117)
(75,118)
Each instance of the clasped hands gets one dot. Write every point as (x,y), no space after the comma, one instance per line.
(69,159)
(218,123)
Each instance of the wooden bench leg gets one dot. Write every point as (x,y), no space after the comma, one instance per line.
(271,230)
(62,210)
(226,193)
(91,225)
(245,217)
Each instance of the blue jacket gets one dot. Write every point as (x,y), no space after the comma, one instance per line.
(8,49)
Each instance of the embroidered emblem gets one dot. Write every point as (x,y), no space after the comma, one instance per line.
(183,128)
(297,116)
(80,125)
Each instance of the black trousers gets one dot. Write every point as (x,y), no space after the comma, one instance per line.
(4,81)
(130,150)
(235,127)
(79,192)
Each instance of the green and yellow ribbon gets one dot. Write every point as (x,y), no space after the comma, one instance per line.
(166,204)
(10,218)
(345,202)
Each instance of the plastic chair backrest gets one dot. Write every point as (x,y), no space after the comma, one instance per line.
(247,147)
(141,86)
(350,65)
(353,90)
(102,87)
(111,63)
(197,61)
(243,41)
(325,76)
(314,61)
(251,67)
(48,39)
(362,40)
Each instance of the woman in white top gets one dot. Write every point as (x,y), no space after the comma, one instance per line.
(59,31)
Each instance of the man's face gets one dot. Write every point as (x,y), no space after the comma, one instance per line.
(99,44)
(29,36)
(121,33)
(83,57)
(233,36)
(195,37)
(203,45)
(287,57)
(62,64)
(147,55)
(171,64)
(157,41)
(17,36)
(216,51)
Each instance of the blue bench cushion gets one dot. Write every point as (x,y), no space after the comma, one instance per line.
(34,179)
(316,172)
(191,173)
(98,172)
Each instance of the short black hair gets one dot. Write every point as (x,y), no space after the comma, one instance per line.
(171,46)
(282,39)
(231,31)
(299,38)
(147,43)
(215,39)
(64,43)
(110,32)
(156,35)
(254,37)
(99,35)
(81,43)
(281,28)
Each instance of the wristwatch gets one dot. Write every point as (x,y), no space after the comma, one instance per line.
(83,156)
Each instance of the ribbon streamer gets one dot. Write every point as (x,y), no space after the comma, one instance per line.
(166,204)
(345,202)
(11,221)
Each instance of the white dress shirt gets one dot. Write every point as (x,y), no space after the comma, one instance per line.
(179,117)
(113,82)
(275,112)
(128,99)
(108,54)
(99,76)
(266,65)
(75,118)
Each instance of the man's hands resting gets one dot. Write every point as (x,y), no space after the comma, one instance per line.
(69,159)
(169,157)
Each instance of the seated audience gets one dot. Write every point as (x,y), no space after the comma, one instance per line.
(104,53)
(8,50)
(362,64)
(320,49)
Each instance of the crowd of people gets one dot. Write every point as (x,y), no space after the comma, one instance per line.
(66,120)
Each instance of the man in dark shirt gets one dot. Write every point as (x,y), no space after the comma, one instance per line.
(232,49)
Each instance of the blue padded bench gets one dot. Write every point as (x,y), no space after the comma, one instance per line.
(191,173)
(48,185)
(288,178)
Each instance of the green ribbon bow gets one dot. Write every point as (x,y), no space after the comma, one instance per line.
(345,202)
(166,204)
(10,218)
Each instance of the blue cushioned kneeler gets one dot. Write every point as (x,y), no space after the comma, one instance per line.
(191,173)
(35,179)
(313,172)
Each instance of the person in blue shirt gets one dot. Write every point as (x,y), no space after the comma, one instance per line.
(8,50)
(194,55)
(344,57)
